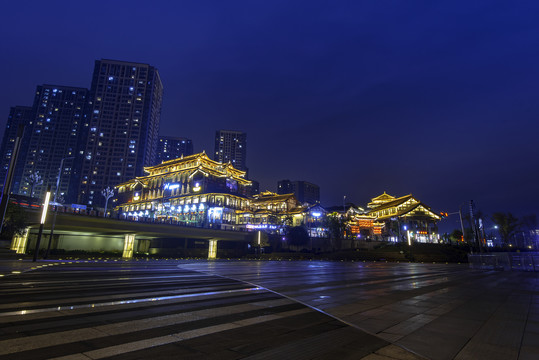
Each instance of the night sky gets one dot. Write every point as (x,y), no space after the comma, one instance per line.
(438,99)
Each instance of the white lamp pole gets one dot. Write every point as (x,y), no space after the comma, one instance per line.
(42,222)
(55,204)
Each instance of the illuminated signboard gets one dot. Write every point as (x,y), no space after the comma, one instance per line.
(261,226)
(169,186)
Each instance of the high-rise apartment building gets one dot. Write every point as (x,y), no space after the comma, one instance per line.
(123,126)
(169,148)
(231,146)
(304,191)
(18,115)
(53,137)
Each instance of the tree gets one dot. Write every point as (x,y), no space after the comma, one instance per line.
(15,222)
(33,180)
(456,236)
(508,225)
(107,193)
(336,226)
(298,236)
(288,220)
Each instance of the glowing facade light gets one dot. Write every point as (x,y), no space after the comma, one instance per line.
(129,244)
(212,249)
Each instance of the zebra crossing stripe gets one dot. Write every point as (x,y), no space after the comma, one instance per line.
(168,339)
(123,302)
(11,346)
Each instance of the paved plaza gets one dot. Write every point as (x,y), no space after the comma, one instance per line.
(96,309)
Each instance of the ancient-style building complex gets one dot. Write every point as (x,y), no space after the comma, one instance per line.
(197,191)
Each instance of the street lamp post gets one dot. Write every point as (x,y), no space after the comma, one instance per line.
(55,204)
(460,218)
(461,223)
(42,222)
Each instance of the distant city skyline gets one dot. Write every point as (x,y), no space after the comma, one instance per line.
(231,147)
(172,147)
(123,126)
(55,127)
(304,191)
(18,116)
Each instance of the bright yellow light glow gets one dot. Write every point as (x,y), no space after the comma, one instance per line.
(129,242)
(19,243)
(212,249)
(45,207)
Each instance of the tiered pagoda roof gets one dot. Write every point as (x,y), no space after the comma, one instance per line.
(387,206)
(380,200)
(192,164)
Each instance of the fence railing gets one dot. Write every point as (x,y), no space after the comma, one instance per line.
(528,261)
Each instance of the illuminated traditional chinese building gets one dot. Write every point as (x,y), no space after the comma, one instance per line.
(314,220)
(404,218)
(272,212)
(192,191)
(363,226)
(268,211)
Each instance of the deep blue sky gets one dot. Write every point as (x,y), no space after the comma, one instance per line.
(437,99)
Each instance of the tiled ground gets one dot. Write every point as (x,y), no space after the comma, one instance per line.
(374,310)
(440,311)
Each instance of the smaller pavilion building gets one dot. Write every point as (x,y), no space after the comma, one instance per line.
(404,219)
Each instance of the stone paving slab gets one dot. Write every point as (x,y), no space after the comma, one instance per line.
(438,311)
